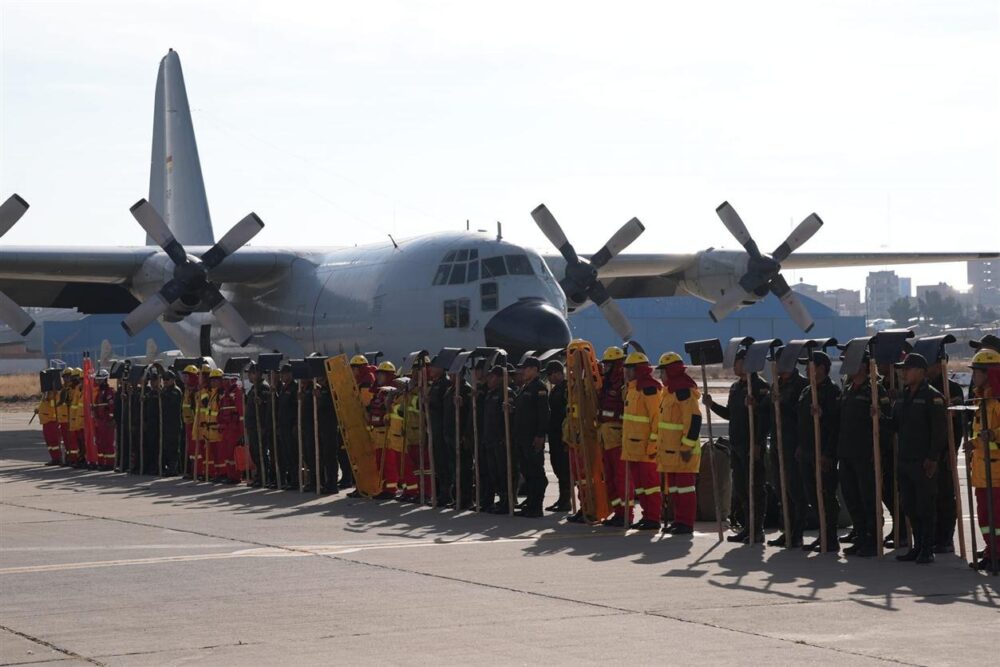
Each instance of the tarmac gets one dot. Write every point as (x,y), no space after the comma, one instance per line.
(112,569)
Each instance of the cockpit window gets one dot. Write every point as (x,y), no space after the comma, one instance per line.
(493,267)
(518,265)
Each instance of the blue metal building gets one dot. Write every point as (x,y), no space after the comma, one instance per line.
(663,324)
(69,340)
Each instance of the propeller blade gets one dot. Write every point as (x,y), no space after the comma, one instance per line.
(790,300)
(14,316)
(11,211)
(622,239)
(610,309)
(235,238)
(150,220)
(799,235)
(616,318)
(729,302)
(227,315)
(144,314)
(554,233)
(735,225)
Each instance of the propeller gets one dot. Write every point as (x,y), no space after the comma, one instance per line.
(580,281)
(191,274)
(763,272)
(12,314)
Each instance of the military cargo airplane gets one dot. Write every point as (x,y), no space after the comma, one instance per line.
(448,289)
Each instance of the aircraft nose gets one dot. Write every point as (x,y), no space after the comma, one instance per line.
(529,324)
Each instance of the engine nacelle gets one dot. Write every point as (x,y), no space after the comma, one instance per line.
(714,273)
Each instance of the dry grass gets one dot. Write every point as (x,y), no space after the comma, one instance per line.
(17,388)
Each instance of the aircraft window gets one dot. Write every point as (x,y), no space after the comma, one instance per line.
(456,314)
(518,265)
(473,273)
(462,256)
(441,277)
(457,274)
(450,257)
(488,297)
(493,267)
(473,254)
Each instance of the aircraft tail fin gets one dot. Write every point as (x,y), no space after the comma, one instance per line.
(176,186)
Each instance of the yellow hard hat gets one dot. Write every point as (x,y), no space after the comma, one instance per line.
(359,360)
(636,358)
(613,353)
(387,367)
(191,368)
(78,372)
(216,373)
(985,357)
(668,358)
(67,372)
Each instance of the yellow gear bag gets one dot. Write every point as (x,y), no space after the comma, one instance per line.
(353,425)
(583,381)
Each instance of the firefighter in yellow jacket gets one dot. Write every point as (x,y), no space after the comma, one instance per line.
(986,438)
(678,429)
(76,417)
(62,413)
(404,432)
(639,441)
(207,424)
(386,458)
(50,425)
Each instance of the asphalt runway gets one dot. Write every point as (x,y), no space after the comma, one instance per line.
(105,568)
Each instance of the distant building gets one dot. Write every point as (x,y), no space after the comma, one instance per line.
(881,291)
(905,287)
(944,290)
(843,301)
(984,277)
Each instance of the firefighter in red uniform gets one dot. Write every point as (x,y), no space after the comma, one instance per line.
(677,437)
(404,432)
(986,438)
(49,420)
(386,458)
(230,431)
(610,406)
(188,409)
(104,421)
(364,376)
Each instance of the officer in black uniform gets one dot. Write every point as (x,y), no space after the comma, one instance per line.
(305,393)
(945,519)
(258,413)
(465,473)
(444,460)
(531,422)
(790,386)
(171,398)
(151,423)
(920,420)
(287,414)
(329,439)
(855,452)
(493,457)
(558,454)
(829,425)
(736,412)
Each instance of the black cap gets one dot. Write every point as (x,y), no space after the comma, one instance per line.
(285,368)
(820,358)
(988,341)
(169,375)
(497,370)
(530,362)
(913,360)
(554,367)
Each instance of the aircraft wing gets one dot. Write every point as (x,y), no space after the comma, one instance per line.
(832,260)
(97,280)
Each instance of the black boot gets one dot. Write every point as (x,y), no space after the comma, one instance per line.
(910,555)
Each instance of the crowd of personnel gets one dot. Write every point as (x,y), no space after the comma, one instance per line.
(474,439)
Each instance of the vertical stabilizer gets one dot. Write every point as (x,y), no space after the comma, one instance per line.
(176,187)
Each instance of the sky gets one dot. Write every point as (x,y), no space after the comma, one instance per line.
(342,122)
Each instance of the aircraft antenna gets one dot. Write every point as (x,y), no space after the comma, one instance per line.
(394,244)
(499,231)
